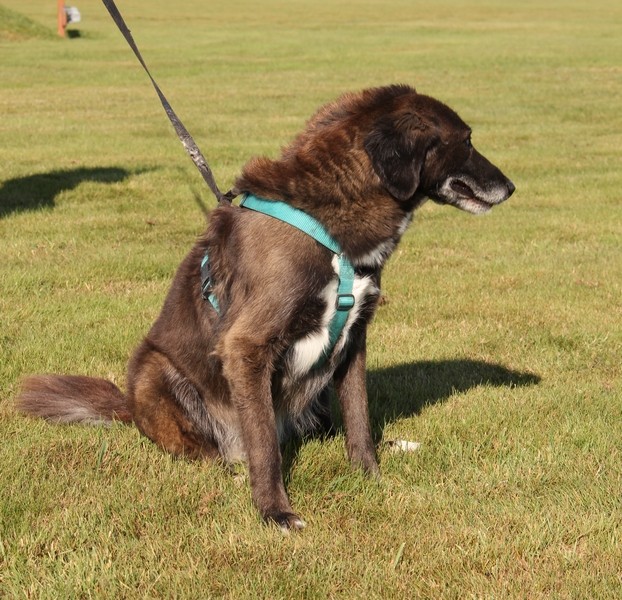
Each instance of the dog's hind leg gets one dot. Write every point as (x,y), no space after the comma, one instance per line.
(168,409)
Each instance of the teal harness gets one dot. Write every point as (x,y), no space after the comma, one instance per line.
(312,227)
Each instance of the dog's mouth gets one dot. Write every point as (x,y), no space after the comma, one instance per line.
(466,199)
(466,195)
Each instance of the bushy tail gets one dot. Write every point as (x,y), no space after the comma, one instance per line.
(73,399)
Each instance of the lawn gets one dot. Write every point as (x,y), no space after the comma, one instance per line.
(499,346)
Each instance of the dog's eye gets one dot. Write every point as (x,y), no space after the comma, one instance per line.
(468,143)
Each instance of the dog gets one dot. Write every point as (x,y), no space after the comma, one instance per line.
(231,378)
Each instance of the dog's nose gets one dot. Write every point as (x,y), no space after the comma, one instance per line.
(511,188)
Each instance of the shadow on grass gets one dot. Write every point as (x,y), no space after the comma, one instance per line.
(404,390)
(35,192)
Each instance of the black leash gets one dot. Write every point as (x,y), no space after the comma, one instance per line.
(186,139)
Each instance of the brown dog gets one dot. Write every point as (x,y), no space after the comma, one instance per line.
(232,383)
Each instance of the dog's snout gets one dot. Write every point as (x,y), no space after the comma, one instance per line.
(511,187)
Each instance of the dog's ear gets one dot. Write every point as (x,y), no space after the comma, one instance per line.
(397,151)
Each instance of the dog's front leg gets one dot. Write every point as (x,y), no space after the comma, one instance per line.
(351,387)
(247,367)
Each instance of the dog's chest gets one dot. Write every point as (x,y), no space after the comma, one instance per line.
(310,350)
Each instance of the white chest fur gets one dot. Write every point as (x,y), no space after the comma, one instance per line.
(307,351)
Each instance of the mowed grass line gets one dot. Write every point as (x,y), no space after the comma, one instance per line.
(499,346)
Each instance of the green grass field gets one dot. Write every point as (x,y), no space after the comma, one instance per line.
(499,349)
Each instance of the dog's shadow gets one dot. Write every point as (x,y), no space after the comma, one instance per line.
(39,191)
(404,390)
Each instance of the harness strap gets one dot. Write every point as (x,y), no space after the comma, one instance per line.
(294,217)
(345,302)
(182,133)
(312,227)
(206,284)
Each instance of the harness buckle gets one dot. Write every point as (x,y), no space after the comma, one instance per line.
(345,301)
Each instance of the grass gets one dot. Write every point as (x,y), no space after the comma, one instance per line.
(499,347)
(15,27)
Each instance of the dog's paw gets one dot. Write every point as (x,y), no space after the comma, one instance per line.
(367,462)
(286,521)
(399,446)
(371,468)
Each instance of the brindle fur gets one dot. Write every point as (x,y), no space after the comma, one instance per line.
(203,385)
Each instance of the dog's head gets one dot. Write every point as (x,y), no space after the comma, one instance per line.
(420,147)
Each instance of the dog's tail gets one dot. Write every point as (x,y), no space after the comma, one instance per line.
(73,399)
